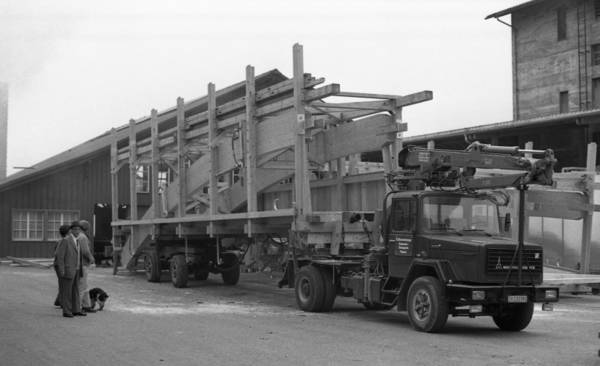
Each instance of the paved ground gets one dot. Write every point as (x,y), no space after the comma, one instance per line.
(255,323)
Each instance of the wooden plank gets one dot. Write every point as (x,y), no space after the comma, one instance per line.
(155,160)
(214,164)
(377,106)
(368,95)
(588,219)
(250,153)
(181,157)
(241,216)
(27,262)
(351,138)
(414,98)
(114,186)
(132,170)
(300,143)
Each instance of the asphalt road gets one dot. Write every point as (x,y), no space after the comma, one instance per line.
(255,323)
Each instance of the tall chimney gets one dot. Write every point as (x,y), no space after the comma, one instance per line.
(3,128)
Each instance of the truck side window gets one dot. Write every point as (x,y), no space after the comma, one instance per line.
(403,215)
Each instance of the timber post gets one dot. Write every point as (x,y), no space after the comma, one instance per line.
(588,216)
(132,179)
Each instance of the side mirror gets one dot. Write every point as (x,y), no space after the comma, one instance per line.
(507,222)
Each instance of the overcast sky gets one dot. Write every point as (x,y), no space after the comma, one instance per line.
(77,68)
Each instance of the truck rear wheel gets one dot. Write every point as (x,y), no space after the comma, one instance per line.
(310,289)
(514,317)
(179,271)
(152,266)
(427,309)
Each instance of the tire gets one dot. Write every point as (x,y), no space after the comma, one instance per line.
(152,266)
(514,317)
(329,287)
(232,276)
(310,289)
(427,309)
(179,271)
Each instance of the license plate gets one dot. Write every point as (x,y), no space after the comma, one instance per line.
(517,298)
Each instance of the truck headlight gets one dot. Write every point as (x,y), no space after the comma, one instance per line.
(478,295)
(550,294)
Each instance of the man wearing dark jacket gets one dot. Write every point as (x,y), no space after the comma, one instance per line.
(64,231)
(68,261)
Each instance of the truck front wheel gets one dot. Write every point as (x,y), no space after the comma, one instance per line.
(179,271)
(427,309)
(514,317)
(310,289)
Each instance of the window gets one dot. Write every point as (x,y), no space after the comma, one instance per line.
(39,225)
(596,54)
(403,215)
(597,8)
(563,102)
(561,23)
(28,225)
(596,93)
(142,179)
(56,219)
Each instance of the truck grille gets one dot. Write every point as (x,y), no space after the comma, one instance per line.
(499,260)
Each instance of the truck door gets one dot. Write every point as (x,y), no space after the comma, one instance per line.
(400,238)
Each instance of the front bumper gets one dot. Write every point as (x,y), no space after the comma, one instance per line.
(462,294)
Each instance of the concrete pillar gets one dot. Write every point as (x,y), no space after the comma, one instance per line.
(3,128)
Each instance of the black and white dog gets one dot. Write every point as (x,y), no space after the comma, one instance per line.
(97,295)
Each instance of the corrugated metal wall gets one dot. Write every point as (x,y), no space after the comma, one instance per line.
(76,187)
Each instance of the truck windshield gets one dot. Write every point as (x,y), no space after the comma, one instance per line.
(460,214)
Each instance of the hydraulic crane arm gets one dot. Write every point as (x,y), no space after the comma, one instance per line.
(447,168)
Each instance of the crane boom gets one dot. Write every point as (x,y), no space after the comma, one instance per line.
(449,168)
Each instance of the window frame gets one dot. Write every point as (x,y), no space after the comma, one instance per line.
(45,223)
(142,178)
(52,233)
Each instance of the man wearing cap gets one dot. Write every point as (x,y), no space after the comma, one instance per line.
(68,264)
(87,262)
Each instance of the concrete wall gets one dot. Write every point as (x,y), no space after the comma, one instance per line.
(546,66)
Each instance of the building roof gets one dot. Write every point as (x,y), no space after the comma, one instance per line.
(493,127)
(102,142)
(514,9)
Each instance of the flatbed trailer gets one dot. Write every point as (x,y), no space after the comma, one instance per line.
(271,157)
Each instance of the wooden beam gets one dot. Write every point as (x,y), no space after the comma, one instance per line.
(250,144)
(302,188)
(181,157)
(588,218)
(155,160)
(214,164)
(132,170)
(414,98)
(114,187)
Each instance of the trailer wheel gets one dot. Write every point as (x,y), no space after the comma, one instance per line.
(427,309)
(310,289)
(329,287)
(179,271)
(152,266)
(514,317)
